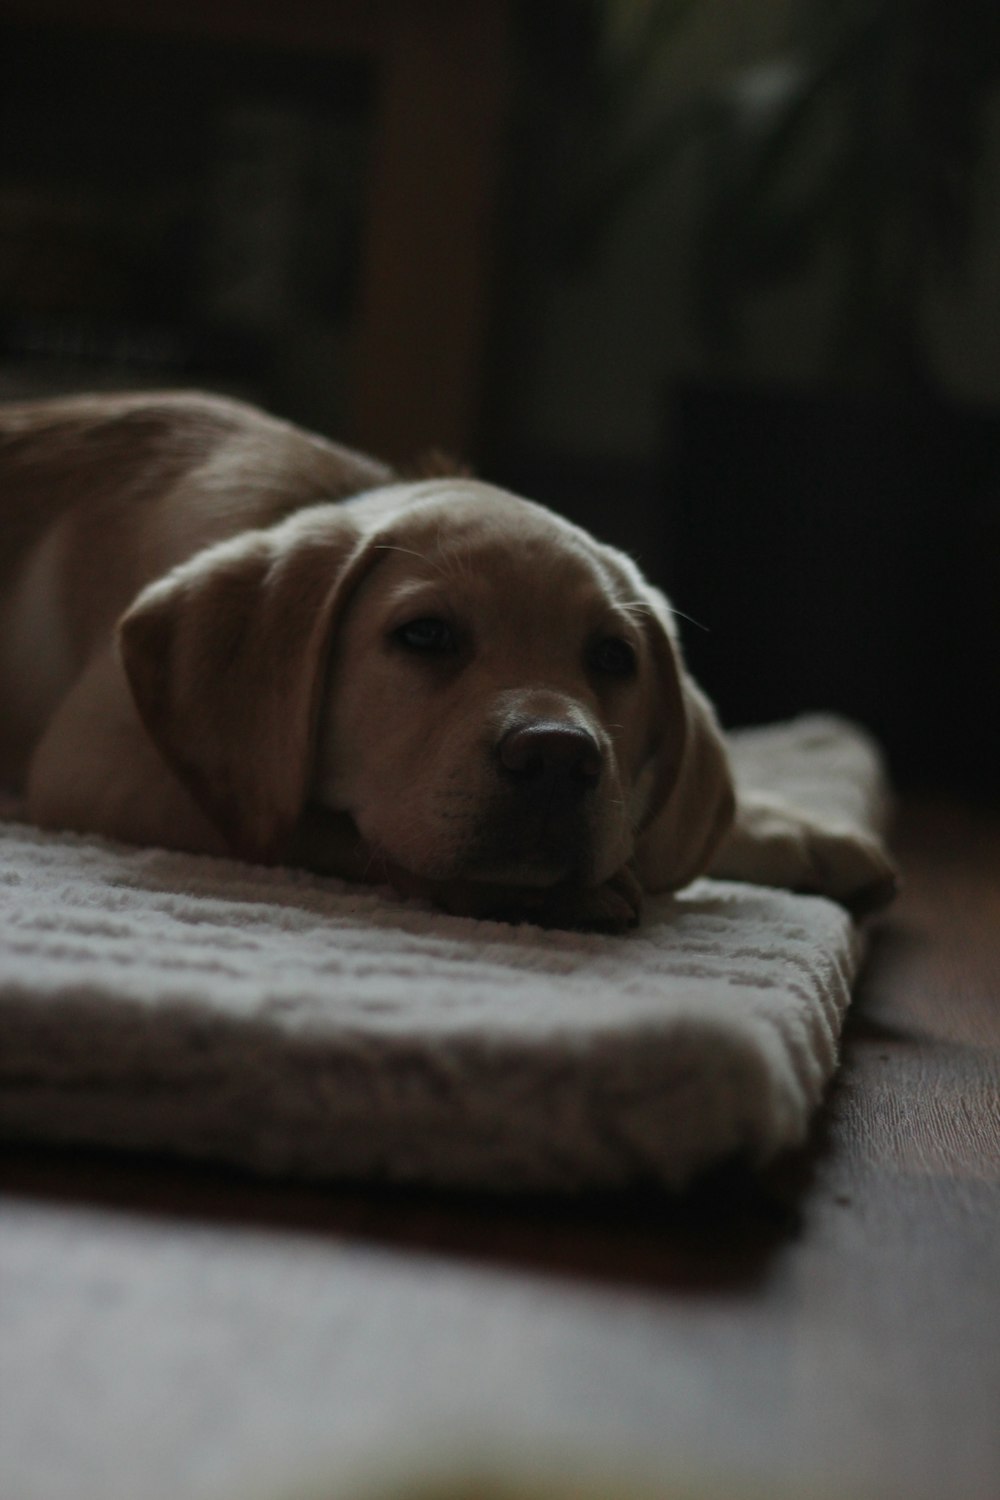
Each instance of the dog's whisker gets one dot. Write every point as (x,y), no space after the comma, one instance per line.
(457,560)
(690,618)
(377,859)
(410,552)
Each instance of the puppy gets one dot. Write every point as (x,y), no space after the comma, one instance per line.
(220,633)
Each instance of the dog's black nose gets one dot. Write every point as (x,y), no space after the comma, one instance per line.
(548,755)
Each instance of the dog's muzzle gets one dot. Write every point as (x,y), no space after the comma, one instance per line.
(540,822)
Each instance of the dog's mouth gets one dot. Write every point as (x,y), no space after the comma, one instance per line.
(525,845)
(537,843)
(500,863)
(505,862)
(508,871)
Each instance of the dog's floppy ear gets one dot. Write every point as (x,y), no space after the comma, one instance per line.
(225,657)
(692,801)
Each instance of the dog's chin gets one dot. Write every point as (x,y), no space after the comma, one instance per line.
(509,888)
(608,907)
(489,877)
(529,873)
(527,880)
(489,854)
(535,887)
(472,896)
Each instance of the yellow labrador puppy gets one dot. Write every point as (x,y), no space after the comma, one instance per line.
(220,633)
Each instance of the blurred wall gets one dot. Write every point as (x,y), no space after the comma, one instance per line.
(589,352)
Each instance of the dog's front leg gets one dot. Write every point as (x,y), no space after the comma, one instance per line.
(95,770)
(773,843)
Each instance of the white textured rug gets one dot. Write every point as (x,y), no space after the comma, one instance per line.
(293,1024)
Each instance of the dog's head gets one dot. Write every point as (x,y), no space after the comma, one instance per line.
(490,696)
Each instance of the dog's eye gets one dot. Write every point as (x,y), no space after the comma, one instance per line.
(431,636)
(612,657)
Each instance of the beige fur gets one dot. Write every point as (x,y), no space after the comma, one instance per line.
(213,636)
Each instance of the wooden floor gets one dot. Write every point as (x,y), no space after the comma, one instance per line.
(830,1331)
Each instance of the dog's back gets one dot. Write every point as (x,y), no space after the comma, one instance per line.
(91,451)
(101,494)
(109,457)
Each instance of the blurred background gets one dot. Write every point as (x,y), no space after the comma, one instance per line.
(719,279)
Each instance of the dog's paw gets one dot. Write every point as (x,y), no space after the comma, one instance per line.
(612,907)
(848,866)
(772,843)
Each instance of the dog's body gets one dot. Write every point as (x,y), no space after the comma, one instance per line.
(223,634)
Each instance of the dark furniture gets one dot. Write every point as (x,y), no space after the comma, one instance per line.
(417,341)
